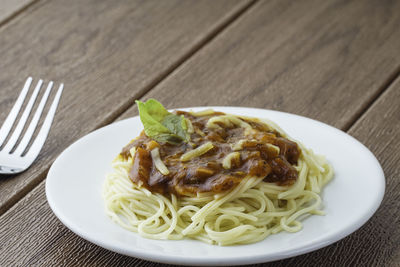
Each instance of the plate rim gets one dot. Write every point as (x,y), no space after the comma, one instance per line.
(231,260)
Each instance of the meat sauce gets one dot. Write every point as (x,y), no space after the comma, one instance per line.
(206,173)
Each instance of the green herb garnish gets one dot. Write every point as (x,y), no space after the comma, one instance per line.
(160,124)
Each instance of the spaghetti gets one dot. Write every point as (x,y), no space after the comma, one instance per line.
(247,211)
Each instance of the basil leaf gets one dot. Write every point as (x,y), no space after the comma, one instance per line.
(160,124)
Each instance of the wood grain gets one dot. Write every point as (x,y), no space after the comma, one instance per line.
(325,60)
(30,234)
(9,8)
(107,53)
(377,243)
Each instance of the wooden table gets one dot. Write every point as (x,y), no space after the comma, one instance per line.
(333,61)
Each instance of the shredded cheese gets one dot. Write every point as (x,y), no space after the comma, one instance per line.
(197,152)
(240,143)
(275,148)
(199,132)
(155,156)
(202,113)
(227,161)
(132,151)
(189,126)
(226,120)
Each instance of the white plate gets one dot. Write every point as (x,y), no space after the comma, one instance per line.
(74,183)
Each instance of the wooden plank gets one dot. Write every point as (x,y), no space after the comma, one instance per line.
(377,243)
(107,53)
(9,8)
(30,234)
(56,244)
(324,60)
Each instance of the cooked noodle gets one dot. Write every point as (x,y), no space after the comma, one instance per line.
(245,214)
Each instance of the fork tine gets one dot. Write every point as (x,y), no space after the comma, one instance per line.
(8,123)
(32,126)
(41,138)
(20,126)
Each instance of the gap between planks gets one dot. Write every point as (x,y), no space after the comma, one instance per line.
(168,71)
(125,106)
(368,104)
(17,12)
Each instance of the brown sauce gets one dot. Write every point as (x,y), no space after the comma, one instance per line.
(206,173)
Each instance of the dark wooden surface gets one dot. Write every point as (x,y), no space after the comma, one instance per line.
(108,53)
(335,61)
(11,8)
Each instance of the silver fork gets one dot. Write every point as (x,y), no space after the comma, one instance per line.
(14,161)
